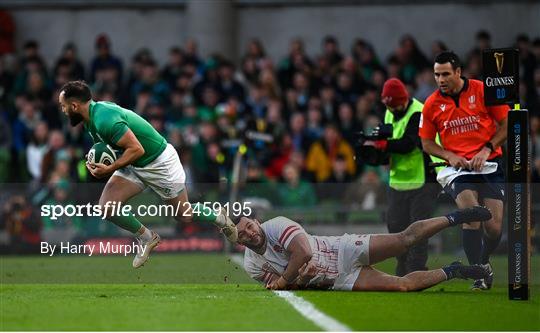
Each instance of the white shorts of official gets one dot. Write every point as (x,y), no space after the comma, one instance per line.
(353,253)
(164,175)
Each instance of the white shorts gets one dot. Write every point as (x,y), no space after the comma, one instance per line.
(353,254)
(164,175)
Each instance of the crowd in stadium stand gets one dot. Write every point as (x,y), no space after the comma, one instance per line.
(311,106)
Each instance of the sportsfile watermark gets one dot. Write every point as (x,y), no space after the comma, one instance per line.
(114,208)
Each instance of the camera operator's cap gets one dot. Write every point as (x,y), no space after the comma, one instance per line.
(394,93)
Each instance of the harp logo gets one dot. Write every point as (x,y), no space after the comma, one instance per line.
(499,60)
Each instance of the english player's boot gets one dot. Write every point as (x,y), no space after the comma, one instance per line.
(457,270)
(468,215)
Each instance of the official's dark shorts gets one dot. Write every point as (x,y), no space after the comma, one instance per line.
(490,185)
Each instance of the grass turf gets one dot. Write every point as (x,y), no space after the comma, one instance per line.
(209,292)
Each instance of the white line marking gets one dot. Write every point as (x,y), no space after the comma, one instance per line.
(305,308)
(309,311)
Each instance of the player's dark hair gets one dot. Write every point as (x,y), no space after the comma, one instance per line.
(78,90)
(448,56)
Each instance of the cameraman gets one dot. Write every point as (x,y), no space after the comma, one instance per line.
(413,188)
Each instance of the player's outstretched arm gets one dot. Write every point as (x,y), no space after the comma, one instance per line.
(300,253)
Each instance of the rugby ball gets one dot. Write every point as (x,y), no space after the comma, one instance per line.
(101,153)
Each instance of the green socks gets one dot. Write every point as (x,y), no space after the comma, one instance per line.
(129,222)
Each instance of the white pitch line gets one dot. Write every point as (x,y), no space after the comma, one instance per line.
(305,308)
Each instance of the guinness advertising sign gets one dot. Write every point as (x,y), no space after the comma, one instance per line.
(518,205)
(500,72)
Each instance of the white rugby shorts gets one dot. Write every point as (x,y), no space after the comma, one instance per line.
(353,253)
(165,175)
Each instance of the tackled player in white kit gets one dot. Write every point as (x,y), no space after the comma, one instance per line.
(282,255)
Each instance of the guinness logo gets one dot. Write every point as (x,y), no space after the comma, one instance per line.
(499,59)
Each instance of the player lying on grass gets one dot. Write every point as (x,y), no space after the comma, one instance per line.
(282,255)
(147,160)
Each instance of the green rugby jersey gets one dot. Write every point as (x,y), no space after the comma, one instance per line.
(109,122)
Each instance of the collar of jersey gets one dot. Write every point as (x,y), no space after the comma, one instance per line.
(464,88)
(90,110)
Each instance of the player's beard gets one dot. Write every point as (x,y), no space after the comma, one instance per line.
(74,118)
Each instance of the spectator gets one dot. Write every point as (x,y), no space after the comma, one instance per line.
(334,187)
(269,84)
(32,66)
(69,63)
(228,86)
(173,69)
(281,155)
(22,224)
(367,193)
(27,119)
(61,195)
(257,184)
(296,61)
(295,192)
(255,51)
(150,81)
(31,52)
(104,59)
(274,118)
(323,73)
(331,51)
(347,123)
(347,91)
(141,57)
(55,148)
(36,88)
(192,54)
(365,56)
(302,89)
(323,153)
(207,134)
(314,128)
(36,150)
(297,128)
(411,58)
(425,85)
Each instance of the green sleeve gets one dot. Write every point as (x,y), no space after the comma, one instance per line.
(111,128)
(117,131)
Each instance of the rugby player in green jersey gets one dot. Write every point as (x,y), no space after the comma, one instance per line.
(147,160)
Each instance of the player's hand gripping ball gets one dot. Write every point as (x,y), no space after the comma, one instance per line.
(101,153)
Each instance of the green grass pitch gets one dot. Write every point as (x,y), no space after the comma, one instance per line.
(209,292)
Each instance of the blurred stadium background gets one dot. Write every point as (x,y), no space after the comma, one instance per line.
(293,81)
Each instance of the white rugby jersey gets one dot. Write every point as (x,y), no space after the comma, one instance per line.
(279,233)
